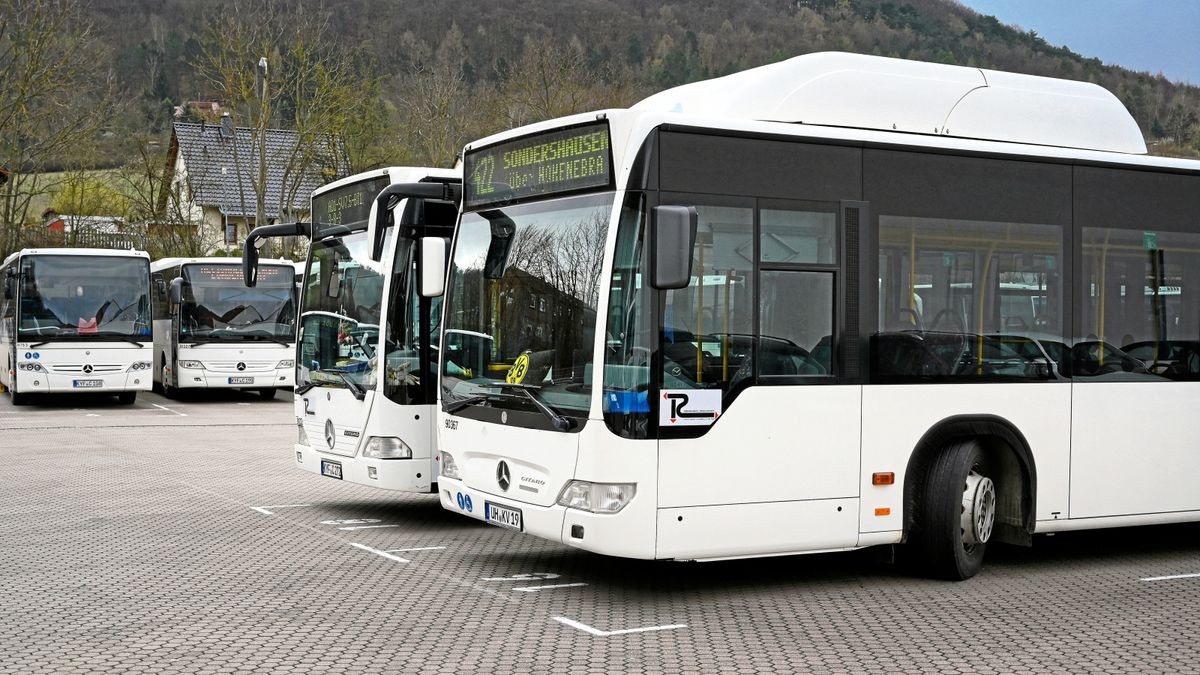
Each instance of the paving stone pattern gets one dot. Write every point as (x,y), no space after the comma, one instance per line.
(130,545)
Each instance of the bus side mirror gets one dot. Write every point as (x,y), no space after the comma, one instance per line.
(10,285)
(161,287)
(250,262)
(176,291)
(672,238)
(433,266)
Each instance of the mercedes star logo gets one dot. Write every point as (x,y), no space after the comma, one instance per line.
(330,434)
(87,368)
(503,477)
(241,366)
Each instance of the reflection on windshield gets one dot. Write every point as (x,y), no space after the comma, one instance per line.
(340,317)
(522,302)
(68,296)
(229,311)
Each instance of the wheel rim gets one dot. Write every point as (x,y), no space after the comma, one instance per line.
(978,510)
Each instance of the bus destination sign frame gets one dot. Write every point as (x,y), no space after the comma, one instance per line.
(562,161)
(348,206)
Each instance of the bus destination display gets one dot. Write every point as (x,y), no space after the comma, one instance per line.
(567,160)
(232,274)
(349,205)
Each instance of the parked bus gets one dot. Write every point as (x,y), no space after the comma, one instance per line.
(75,320)
(367,337)
(212,332)
(781,312)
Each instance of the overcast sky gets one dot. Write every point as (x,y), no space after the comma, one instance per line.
(1150,35)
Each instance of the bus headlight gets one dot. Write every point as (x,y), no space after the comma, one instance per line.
(286,363)
(139,365)
(597,497)
(449,468)
(301,437)
(31,366)
(190,364)
(386,447)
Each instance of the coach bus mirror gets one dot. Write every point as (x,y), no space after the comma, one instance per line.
(176,291)
(672,240)
(10,284)
(160,287)
(433,266)
(503,229)
(377,223)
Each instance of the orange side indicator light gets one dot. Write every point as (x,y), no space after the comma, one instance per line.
(885,511)
(883,478)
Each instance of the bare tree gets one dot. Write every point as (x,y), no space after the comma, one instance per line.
(54,97)
(157,211)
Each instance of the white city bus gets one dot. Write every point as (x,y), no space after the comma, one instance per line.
(366,349)
(75,320)
(767,314)
(212,332)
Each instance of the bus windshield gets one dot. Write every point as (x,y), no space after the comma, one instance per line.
(340,316)
(521,310)
(84,297)
(218,306)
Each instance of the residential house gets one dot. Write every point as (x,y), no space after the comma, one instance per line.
(213,168)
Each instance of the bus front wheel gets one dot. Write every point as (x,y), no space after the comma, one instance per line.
(957,514)
(268,393)
(127,397)
(20,399)
(167,389)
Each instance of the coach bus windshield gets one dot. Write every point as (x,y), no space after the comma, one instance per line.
(340,316)
(84,297)
(521,313)
(217,306)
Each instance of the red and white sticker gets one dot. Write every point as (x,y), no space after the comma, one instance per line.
(689,407)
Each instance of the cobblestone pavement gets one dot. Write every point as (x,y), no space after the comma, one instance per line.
(177,537)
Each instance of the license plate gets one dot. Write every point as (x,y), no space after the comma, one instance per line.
(331,469)
(502,516)
(86,384)
(241,380)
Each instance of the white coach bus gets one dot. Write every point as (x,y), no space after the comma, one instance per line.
(764,314)
(366,350)
(75,320)
(212,332)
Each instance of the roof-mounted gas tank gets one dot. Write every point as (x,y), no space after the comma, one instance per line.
(873,92)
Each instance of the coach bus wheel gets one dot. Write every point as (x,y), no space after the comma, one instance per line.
(958,512)
(167,389)
(127,397)
(268,393)
(20,399)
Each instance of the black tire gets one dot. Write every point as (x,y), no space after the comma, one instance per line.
(20,399)
(268,393)
(947,549)
(167,390)
(127,397)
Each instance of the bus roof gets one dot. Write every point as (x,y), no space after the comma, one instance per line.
(874,92)
(395,174)
(164,263)
(110,252)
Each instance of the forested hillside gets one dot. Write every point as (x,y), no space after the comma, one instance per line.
(96,85)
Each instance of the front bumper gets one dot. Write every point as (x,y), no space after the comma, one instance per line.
(189,378)
(62,383)
(405,475)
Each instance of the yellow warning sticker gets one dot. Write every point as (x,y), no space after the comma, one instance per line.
(519,369)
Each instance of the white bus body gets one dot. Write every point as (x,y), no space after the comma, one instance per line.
(223,335)
(75,320)
(838,355)
(362,418)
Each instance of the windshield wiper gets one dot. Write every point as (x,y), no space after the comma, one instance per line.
(560,421)
(354,387)
(304,387)
(464,402)
(270,338)
(121,336)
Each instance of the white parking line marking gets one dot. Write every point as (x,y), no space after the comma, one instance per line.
(1173,576)
(605,633)
(535,589)
(536,576)
(365,527)
(419,548)
(263,509)
(160,407)
(385,554)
